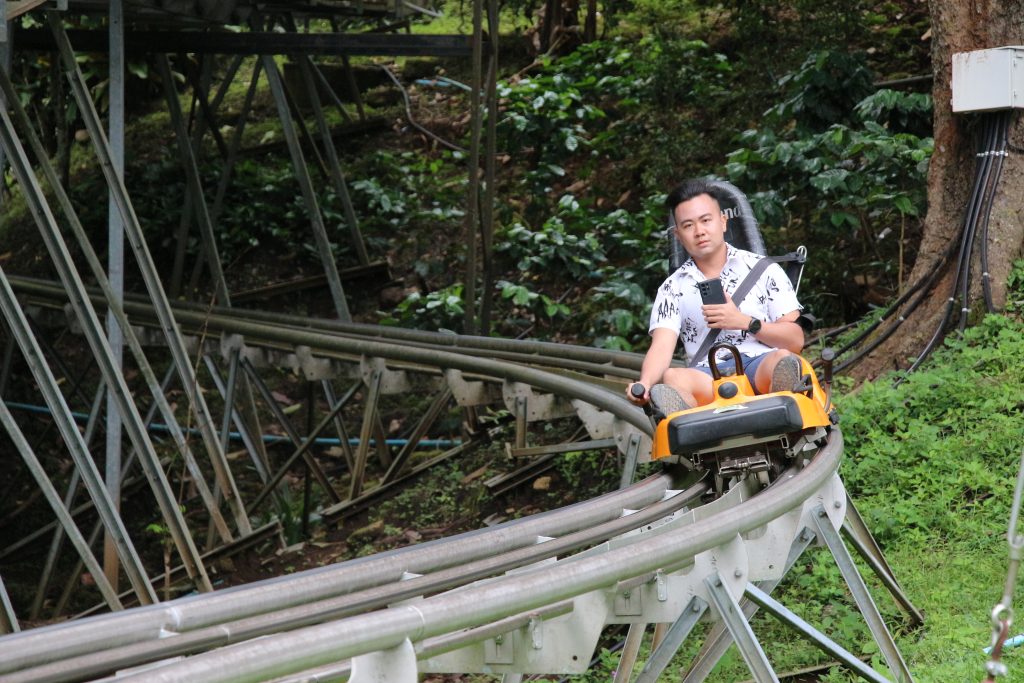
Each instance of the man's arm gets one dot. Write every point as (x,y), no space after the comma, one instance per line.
(783,333)
(656,362)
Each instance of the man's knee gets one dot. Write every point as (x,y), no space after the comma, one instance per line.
(689,381)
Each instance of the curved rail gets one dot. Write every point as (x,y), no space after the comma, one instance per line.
(476,605)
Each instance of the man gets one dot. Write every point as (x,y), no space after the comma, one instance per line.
(763,328)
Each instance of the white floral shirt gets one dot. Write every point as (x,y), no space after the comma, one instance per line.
(678,303)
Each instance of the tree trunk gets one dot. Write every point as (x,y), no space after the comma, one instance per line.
(959,26)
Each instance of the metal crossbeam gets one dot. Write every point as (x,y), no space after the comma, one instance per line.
(263,43)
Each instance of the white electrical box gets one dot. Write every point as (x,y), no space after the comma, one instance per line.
(988,80)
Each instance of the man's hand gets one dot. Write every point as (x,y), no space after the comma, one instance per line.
(725,316)
(644,396)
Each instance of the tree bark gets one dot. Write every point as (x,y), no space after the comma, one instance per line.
(959,26)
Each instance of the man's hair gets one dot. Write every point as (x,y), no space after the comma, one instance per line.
(689,189)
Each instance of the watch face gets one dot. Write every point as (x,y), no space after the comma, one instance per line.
(754,327)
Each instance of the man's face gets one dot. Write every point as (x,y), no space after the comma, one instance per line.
(700,226)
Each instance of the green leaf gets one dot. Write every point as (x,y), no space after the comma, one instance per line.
(904,205)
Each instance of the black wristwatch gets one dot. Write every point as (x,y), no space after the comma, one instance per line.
(754,326)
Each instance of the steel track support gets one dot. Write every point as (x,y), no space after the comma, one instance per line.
(91,327)
(306,186)
(672,640)
(8,619)
(861,596)
(113,302)
(490,166)
(47,384)
(302,446)
(178,270)
(363,448)
(106,588)
(858,534)
(249,438)
(630,650)
(158,297)
(739,628)
(718,640)
(336,175)
(819,639)
(428,419)
(115,265)
(470,221)
(339,424)
(394,665)
(191,169)
(57,541)
(630,460)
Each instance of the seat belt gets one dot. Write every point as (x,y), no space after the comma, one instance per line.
(741,292)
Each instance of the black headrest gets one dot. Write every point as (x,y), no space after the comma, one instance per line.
(741,231)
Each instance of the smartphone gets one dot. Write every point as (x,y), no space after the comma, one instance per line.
(711,291)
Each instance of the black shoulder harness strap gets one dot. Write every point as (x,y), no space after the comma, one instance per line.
(737,297)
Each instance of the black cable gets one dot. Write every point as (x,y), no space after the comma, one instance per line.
(924,286)
(977,202)
(986,214)
(982,169)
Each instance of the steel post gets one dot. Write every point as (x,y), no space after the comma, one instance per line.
(339,424)
(8,619)
(248,436)
(115,264)
(634,638)
(739,628)
(306,186)
(470,221)
(490,165)
(363,448)
(302,446)
(629,461)
(881,569)
(335,173)
(191,170)
(428,419)
(673,639)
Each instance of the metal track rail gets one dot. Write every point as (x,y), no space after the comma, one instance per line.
(445,603)
(449,561)
(380,640)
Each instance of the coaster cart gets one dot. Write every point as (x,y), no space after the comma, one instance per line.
(743,434)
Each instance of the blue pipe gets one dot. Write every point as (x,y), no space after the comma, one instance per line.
(267,438)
